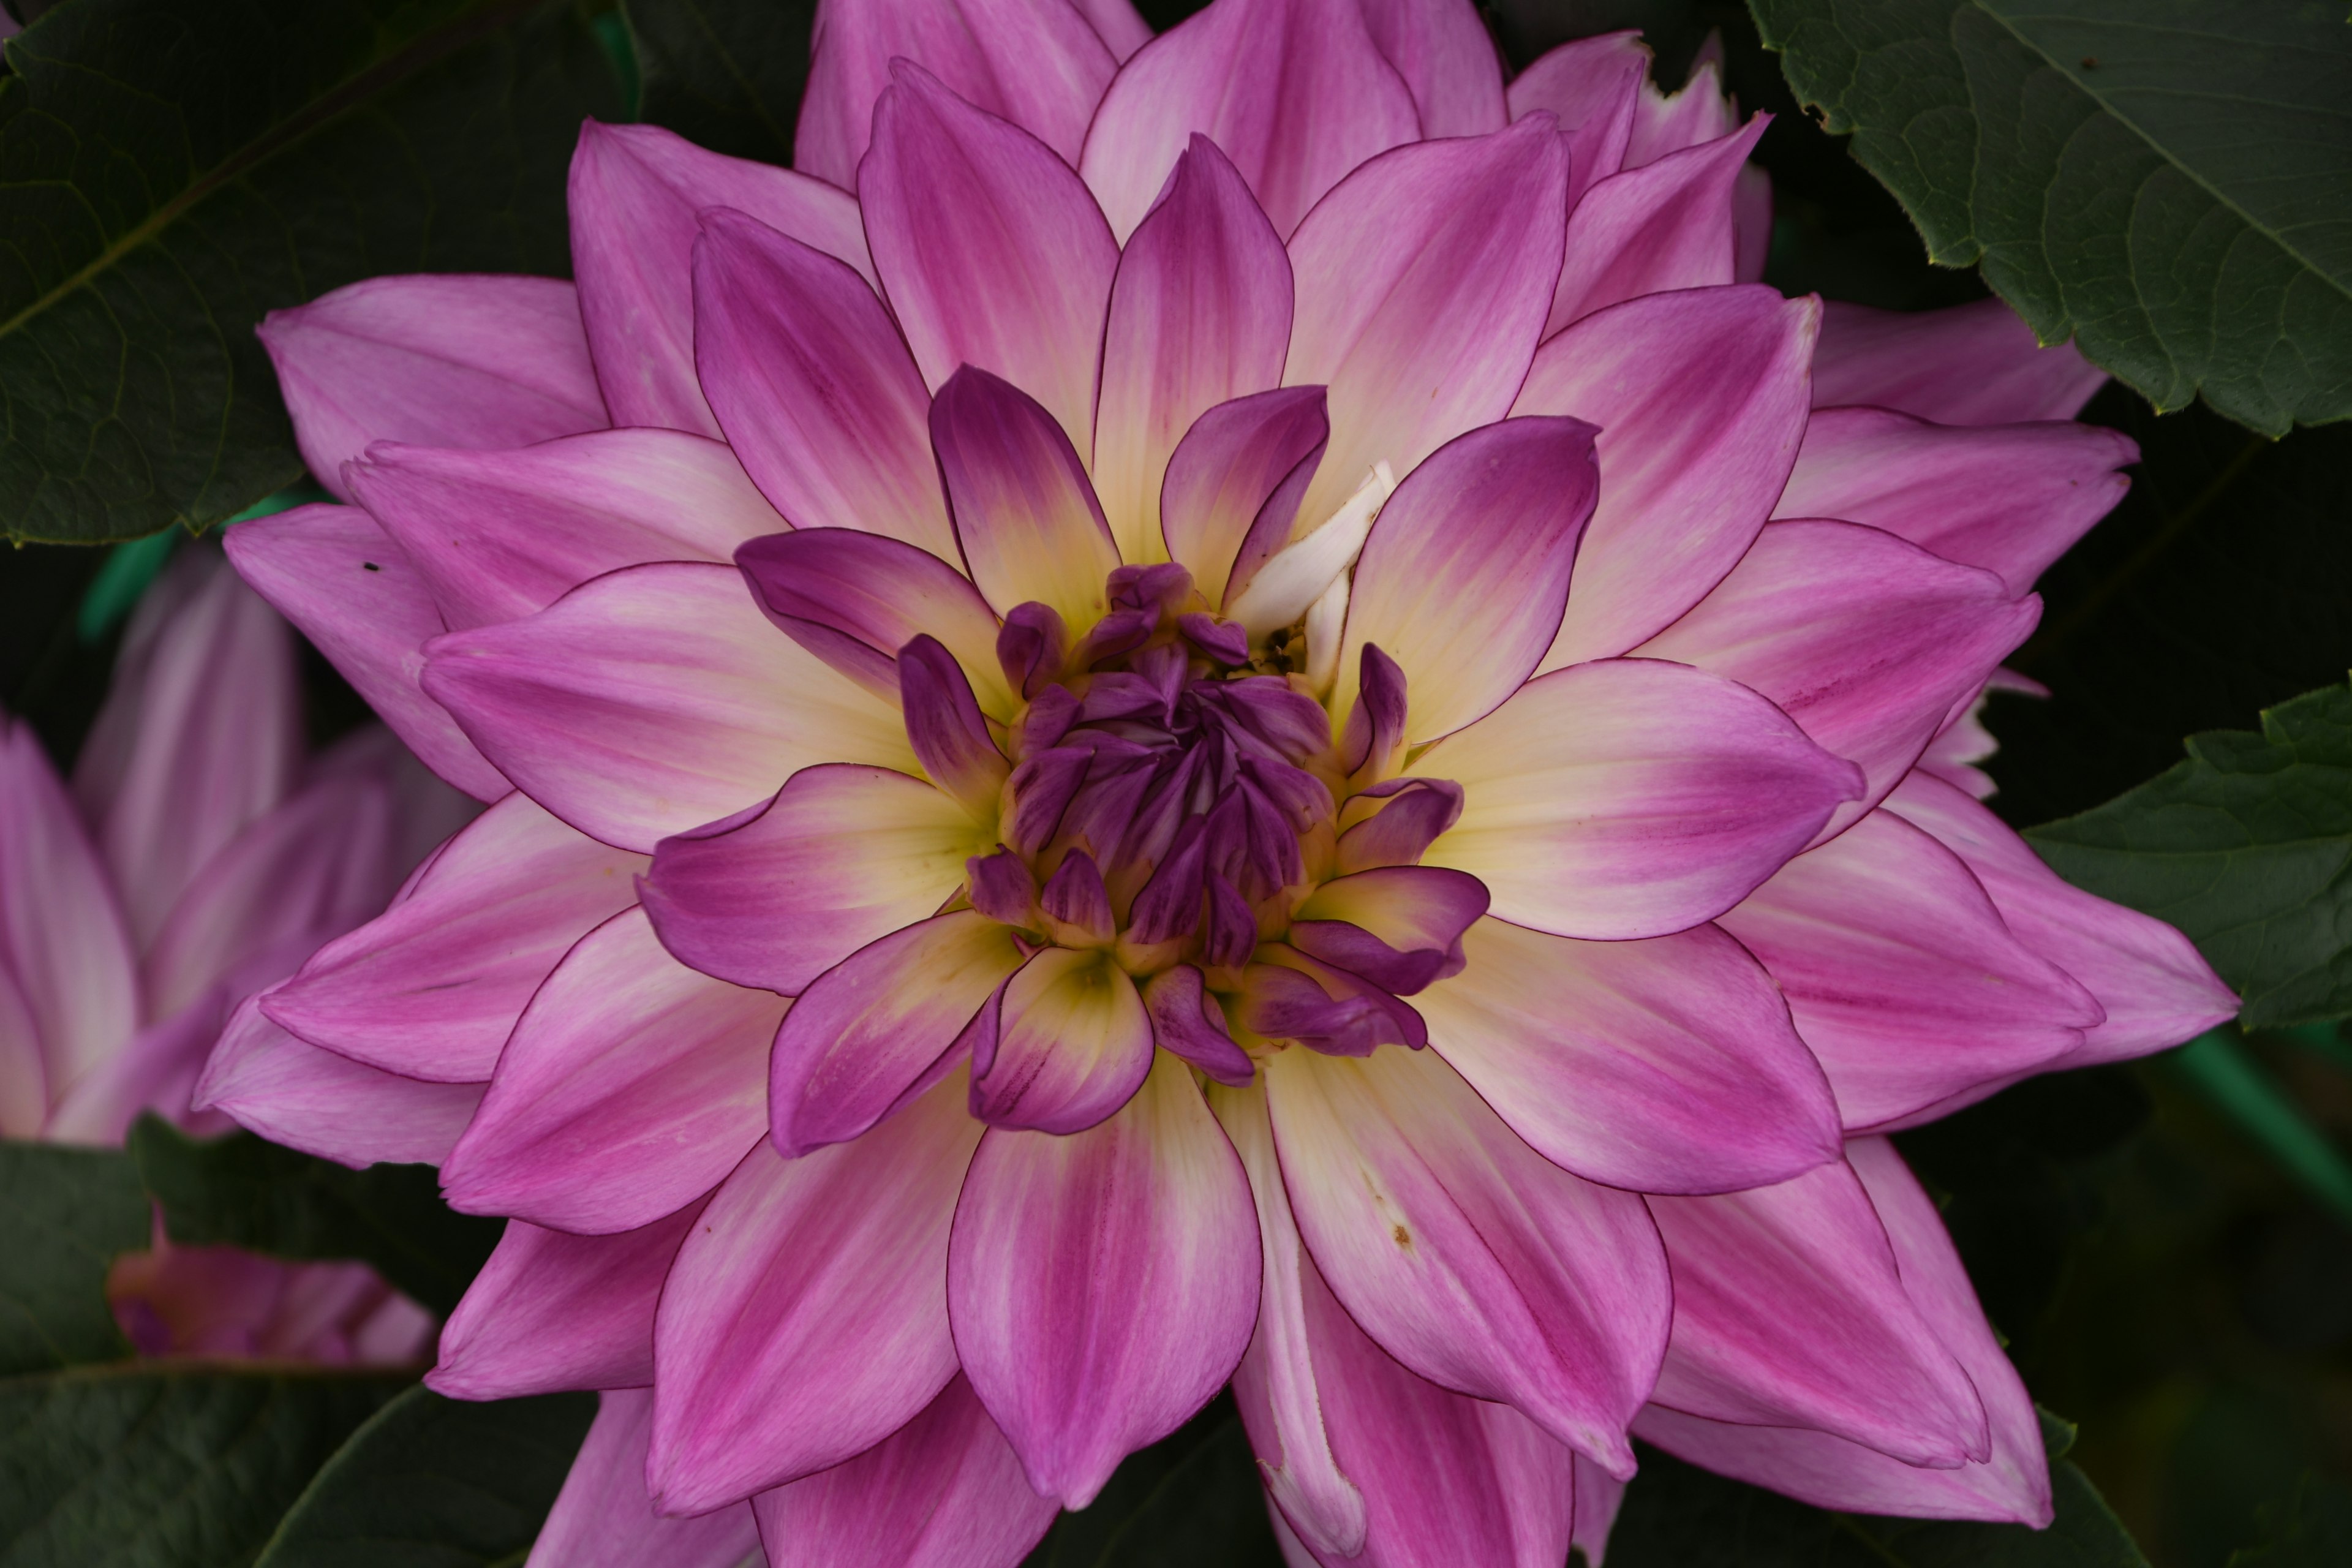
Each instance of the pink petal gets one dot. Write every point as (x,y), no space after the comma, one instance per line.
(602,1519)
(296,1094)
(654,700)
(2156,990)
(441,361)
(1968,364)
(1235,482)
(1423,280)
(875,1027)
(1867,642)
(855,599)
(1066,1046)
(2008,498)
(1397,926)
(1655,229)
(631,1085)
(1630,798)
(1465,1254)
(1118,24)
(1102,1284)
(201,735)
(844,856)
(317,866)
(336,574)
(1024,512)
(1276,1384)
(1294,92)
(1692,115)
(24,1077)
(1599,1496)
(64,944)
(991,253)
(1700,398)
(551,1310)
(1491,520)
(1446,1479)
(945,1488)
(2012,1485)
(1037,63)
(634,193)
(499,535)
(1443,50)
(1189,1022)
(1199,312)
(1593,87)
(432,986)
(1581,79)
(813,386)
(1901,975)
(1790,1311)
(1666,1065)
(807,1316)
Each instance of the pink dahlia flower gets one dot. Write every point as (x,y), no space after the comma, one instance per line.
(1248,721)
(196,857)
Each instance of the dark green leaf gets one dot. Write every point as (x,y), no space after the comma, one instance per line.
(168,173)
(436,1483)
(725,74)
(1677,1514)
(141,1466)
(68,1213)
(2213,590)
(1192,1497)
(2246,848)
(2167,181)
(240,1191)
(2312,1529)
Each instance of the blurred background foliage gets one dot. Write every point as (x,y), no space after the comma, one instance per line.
(2166,1245)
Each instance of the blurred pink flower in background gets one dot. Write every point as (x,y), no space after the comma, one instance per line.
(196,856)
(1256,719)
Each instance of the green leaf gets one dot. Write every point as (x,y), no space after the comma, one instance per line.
(68,1213)
(2212,590)
(2312,1529)
(169,173)
(436,1483)
(724,74)
(1677,1514)
(240,1191)
(1192,1497)
(2246,848)
(148,1466)
(2167,181)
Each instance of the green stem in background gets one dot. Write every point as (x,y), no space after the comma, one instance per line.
(2219,1068)
(612,31)
(132,565)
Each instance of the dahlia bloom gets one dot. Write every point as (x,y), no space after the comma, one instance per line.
(196,857)
(1250,721)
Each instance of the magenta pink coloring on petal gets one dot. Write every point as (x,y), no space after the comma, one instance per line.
(1423,280)
(806,1318)
(1102,1285)
(602,1519)
(1294,92)
(1652,230)
(630,1084)
(1700,400)
(1037,63)
(1444,52)
(1967,364)
(635,194)
(441,361)
(326,1104)
(945,1488)
(812,385)
(551,1310)
(991,252)
(335,573)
